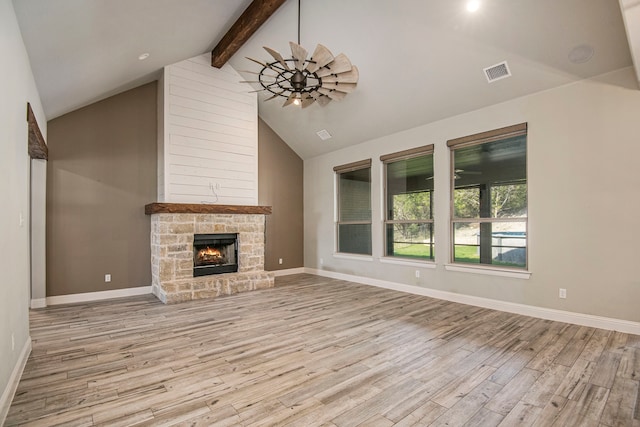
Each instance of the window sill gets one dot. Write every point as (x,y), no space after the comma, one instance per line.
(489,271)
(408,262)
(354,257)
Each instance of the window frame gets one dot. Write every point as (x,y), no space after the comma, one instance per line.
(338,170)
(479,139)
(395,157)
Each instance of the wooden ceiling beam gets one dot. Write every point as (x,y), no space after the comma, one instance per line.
(251,19)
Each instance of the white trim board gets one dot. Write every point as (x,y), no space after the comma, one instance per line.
(39,303)
(14,380)
(581,319)
(97,296)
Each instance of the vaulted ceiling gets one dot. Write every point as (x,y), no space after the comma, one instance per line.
(419,61)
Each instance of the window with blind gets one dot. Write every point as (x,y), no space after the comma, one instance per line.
(353,200)
(409,203)
(489,200)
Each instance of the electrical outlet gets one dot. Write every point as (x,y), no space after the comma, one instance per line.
(417,274)
(280,261)
(13,342)
(562,293)
(21,220)
(107,277)
(321,261)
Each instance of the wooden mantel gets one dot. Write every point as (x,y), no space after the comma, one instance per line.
(193,208)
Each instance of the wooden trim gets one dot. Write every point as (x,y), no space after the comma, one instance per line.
(37,145)
(248,23)
(492,135)
(407,154)
(179,208)
(353,166)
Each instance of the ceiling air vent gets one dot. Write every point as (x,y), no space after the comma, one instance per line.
(497,72)
(323,134)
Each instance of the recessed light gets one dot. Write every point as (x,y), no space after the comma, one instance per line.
(473,5)
(323,134)
(581,54)
(143,56)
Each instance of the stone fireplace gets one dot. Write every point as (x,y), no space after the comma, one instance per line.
(174,227)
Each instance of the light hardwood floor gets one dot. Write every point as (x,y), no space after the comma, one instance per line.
(321,352)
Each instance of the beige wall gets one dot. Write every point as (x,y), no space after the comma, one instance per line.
(280,175)
(583,200)
(101,173)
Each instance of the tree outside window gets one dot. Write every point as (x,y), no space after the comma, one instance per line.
(409,204)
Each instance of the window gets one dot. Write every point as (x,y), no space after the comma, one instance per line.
(354,207)
(409,203)
(489,201)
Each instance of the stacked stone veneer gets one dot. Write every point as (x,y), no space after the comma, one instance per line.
(172,256)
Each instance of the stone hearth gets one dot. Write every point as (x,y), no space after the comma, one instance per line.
(172,250)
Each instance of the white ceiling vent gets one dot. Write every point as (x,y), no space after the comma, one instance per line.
(323,134)
(497,72)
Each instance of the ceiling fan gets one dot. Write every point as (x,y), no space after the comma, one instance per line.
(322,78)
(458,172)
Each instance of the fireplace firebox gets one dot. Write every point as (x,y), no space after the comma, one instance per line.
(215,254)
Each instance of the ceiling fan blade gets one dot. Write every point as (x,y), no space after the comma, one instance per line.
(340,64)
(289,100)
(265,65)
(257,62)
(299,55)
(333,94)
(342,87)
(346,77)
(264,88)
(276,55)
(321,57)
(306,101)
(252,81)
(320,98)
(272,97)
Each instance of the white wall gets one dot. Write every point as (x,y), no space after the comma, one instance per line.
(584,204)
(17,87)
(209,144)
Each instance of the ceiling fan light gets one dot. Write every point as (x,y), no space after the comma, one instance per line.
(473,5)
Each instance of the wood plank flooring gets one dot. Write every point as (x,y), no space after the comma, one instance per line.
(320,352)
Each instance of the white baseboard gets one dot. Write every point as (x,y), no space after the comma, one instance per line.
(14,380)
(288,272)
(38,303)
(581,319)
(96,296)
